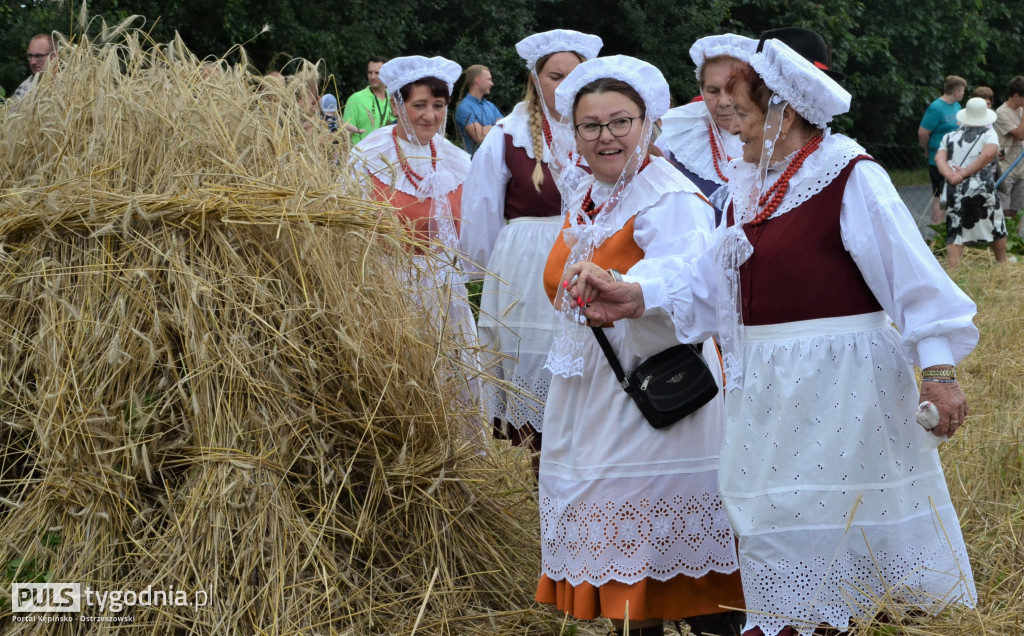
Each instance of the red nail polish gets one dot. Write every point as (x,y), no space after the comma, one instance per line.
(588,300)
(565,284)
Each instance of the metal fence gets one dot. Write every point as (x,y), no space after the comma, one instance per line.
(908,169)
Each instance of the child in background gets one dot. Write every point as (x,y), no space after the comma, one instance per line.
(329,111)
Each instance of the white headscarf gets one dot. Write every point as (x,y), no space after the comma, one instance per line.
(566,355)
(563,164)
(736,46)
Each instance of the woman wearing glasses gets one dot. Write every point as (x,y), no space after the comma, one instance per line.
(632,525)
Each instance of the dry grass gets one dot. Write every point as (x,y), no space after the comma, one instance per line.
(212,377)
(985,464)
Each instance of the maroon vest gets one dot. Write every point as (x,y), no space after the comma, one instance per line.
(800,269)
(521,197)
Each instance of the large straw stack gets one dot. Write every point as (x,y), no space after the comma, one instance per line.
(213,378)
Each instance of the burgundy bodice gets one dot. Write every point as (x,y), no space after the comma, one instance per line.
(800,269)
(521,197)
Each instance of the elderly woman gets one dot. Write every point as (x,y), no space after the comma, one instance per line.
(836,493)
(512,212)
(966,160)
(632,525)
(412,167)
(696,137)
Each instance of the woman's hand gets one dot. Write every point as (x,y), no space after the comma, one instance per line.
(952,405)
(579,282)
(955,176)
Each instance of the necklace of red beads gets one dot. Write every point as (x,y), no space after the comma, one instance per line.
(588,207)
(770,200)
(414,177)
(717,152)
(546,129)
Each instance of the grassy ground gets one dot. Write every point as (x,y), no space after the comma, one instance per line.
(917,176)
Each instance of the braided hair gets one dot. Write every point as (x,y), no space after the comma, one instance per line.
(536,133)
(533,101)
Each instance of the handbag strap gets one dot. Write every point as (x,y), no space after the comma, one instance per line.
(613,359)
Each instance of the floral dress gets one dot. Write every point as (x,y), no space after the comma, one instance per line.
(974,214)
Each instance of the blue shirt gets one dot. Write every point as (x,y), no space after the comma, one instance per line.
(940,118)
(474,111)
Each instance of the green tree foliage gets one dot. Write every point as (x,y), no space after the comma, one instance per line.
(894,53)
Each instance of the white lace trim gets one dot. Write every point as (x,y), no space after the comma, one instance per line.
(812,93)
(684,133)
(819,170)
(730,44)
(629,540)
(375,156)
(651,185)
(517,126)
(834,588)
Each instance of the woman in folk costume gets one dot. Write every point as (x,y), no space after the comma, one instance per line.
(836,493)
(632,526)
(412,167)
(511,213)
(696,137)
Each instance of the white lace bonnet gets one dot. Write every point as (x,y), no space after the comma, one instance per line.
(536,46)
(737,46)
(643,77)
(813,94)
(400,71)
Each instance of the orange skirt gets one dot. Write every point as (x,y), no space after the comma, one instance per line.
(675,599)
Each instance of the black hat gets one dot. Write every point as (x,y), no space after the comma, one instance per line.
(808,44)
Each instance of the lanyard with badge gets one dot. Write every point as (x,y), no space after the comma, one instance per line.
(381,112)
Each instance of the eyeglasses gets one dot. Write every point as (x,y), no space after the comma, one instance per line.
(38,56)
(618,127)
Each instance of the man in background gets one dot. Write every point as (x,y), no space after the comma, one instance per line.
(939,119)
(1009,125)
(475,114)
(41,50)
(370,108)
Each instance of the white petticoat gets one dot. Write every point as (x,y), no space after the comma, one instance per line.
(517,321)
(822,437)
(440,288)
(619,499)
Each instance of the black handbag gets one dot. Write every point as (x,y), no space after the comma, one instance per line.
(669,385)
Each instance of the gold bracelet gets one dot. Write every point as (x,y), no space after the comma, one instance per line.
(616,276)
(939,373)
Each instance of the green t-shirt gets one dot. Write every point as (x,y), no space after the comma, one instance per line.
(366,112)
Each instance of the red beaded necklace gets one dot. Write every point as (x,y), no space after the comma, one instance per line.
(588,207)
(546,129)
(414,177)
(781,186)
(715,153)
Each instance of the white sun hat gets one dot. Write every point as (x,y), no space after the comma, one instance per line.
(976,113)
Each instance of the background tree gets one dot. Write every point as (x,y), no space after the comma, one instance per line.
(894,54)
